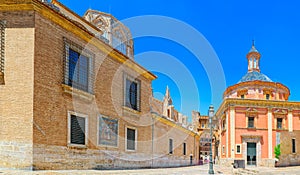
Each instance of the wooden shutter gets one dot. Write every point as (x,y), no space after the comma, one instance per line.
(77,130)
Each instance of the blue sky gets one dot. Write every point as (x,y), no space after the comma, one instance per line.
(229,27)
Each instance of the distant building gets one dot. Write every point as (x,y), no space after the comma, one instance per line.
(255,117)
(72,96)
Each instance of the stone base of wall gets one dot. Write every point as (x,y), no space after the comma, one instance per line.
(60,157)
(289,160)
(16,155)
(267,162)
(226,161)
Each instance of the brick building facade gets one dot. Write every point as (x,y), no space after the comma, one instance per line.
(72,96)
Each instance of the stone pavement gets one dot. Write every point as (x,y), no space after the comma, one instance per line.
(193,170)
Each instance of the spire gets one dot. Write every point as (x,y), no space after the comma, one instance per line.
(253,57)
(167,96)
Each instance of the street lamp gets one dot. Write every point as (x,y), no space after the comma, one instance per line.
(210,115)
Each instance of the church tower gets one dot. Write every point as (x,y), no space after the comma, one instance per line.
(253,57)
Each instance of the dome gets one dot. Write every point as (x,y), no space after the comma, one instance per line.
(252,76)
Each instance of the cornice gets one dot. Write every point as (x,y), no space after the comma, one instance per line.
(172,124)
(257,83)
(270,104)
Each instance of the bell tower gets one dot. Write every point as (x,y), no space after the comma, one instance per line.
(253,57)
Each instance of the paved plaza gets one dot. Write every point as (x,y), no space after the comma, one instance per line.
(193,170)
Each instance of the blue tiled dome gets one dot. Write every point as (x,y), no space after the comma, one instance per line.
(252,76)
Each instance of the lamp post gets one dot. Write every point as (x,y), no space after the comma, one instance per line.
(210,115)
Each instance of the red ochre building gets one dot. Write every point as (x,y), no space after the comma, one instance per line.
(254,117)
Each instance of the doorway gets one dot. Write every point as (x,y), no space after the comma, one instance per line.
(251,153)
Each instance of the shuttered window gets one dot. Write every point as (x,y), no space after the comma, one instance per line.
(131,139)
(77,130)
(184,148)
(132,94)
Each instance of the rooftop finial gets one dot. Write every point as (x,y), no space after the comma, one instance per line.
(253,43)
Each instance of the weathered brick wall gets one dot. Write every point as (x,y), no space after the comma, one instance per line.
(16,104)
(51,105)
(287,158)
(34,107)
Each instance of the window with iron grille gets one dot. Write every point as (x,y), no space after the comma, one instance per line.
(132,93)
(79,67)
(77,130)
(250,122)
(2,51)
(131,136)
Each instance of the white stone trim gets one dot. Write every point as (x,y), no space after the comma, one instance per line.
(232,132)
(290,121)
(69,128)
(135,141)
(237,149)
(227,135)
(270,148)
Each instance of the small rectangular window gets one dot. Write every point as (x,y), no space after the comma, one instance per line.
(267,96)
(293,145)
(242,96)
(131,139)
(238,149)
(279,123)
(170,146)
(184,148)
(77,130)
(250,122)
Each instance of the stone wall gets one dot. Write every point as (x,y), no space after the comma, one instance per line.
(287,158)
(16,104)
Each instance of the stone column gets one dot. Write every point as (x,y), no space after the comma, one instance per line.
(232,132)
(270,149)
(244,151)
(258,153)
(227,135)
(290,121)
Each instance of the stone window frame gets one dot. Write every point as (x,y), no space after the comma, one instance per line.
(68,44)
(238,145)
(138,82)
(2,50)
(85,132)
(255,116)
(283,117)
(135,139)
